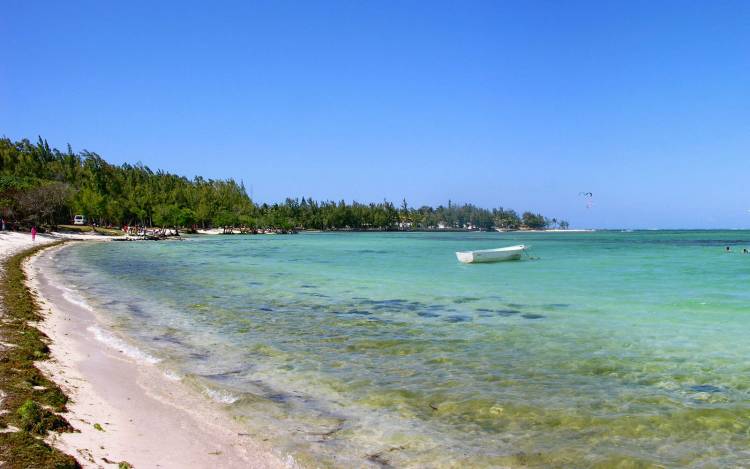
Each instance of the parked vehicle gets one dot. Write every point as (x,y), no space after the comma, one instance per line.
(79,220)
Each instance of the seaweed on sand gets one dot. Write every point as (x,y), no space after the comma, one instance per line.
(31,401)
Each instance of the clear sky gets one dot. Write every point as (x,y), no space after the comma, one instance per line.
(516,104)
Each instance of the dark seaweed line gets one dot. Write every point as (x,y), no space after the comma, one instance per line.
(28,394)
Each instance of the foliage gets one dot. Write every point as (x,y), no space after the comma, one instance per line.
(89,229)
(534,221)
(43,185)
(39,184)
(40,204)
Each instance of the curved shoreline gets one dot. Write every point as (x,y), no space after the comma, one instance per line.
(126,410)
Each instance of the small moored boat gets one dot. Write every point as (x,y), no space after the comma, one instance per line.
(510,253)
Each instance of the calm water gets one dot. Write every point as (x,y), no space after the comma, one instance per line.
(356,349)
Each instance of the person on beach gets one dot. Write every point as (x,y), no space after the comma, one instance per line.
(33,233)
(3,220)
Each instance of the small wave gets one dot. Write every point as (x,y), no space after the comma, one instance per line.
(290,462)
(172,375)
(118,344)
(220,396)
(75,298)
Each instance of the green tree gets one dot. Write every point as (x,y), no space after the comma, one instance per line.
(40,184)
(534,220)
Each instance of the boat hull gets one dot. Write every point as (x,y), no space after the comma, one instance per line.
(512,253)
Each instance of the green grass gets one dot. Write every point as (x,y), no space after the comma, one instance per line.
(108,232)
(76,228)
(89,229)
(32,401)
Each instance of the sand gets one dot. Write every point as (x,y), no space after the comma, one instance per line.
(12,242)
(146,418)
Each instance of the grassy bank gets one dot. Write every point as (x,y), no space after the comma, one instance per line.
(89,229)
(31,403)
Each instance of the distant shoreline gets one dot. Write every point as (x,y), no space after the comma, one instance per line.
(221,231)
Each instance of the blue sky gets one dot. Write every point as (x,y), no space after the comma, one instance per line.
(520,104)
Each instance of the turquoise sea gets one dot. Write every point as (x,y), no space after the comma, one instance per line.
(611,349)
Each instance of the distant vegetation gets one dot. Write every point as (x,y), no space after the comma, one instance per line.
(44,186)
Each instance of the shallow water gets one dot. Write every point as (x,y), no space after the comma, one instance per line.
(354,348)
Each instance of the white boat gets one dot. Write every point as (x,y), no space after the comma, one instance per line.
(511,253)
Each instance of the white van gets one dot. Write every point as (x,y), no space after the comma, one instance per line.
(79,220)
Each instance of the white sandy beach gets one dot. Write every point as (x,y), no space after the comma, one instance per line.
(12,242)
(146,418)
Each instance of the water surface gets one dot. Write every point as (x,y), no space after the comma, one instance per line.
(350,348)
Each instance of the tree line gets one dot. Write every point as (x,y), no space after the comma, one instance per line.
(40,185)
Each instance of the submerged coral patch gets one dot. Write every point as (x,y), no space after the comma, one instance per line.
(705,388)
(533,316)
(456,318)
(427,314)
(507,312)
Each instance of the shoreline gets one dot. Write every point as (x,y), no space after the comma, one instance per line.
(32,405)
(218,231)
(125,410)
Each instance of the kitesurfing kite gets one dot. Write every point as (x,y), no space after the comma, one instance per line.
(589,197)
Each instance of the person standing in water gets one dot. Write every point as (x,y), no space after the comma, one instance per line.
(33,233)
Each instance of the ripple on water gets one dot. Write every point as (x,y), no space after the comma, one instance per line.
(359,312)
(466,299)
(457,318)
(705,388)
(507,312)
(428,314)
